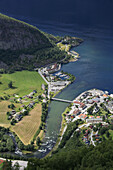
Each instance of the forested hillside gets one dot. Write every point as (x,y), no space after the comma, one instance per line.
(23,46)
(75,156)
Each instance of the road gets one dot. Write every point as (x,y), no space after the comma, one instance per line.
(45,81)
(43,76)
(17,150)
(63,134)
(92,139)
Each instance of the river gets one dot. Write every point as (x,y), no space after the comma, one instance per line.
(90,20)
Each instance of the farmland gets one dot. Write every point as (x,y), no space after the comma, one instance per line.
(27,128)
(23,83)
(3,117)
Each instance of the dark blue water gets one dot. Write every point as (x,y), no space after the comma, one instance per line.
(91,20)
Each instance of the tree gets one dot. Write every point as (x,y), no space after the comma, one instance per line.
(8,113)
(38,141)
(12,106)
(13,121)
(83,131)
(103,130)
(10,84)
(107,134)
(103,118)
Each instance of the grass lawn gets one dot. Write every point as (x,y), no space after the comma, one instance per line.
(24,82)
(103,111)
(64,47)
(27,127)
(3,117)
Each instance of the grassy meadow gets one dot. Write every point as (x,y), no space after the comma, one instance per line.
(24,82)
(28,126)
(64,47)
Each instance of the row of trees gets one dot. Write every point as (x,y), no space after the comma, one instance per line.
(44,112)
(6,142)
(29,147)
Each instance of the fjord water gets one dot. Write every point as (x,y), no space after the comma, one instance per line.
(90,20)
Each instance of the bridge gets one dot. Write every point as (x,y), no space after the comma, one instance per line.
(62,100)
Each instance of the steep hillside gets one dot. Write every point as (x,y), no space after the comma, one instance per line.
(23,46)
(17,35)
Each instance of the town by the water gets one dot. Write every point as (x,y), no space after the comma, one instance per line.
(56,85)
(93,107)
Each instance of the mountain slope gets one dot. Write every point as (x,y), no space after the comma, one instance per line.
(17,35)
(23,46)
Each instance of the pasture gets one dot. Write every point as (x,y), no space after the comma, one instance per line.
(24,82)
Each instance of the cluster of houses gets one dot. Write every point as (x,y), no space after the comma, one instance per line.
(16,115)
(51,69)
(56,81)
(79,109)
(89,137)
(30,99)
(86,137)
(30,96)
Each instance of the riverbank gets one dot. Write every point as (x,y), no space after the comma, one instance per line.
(41,135)
(44,72)
(80,109)
(62,131)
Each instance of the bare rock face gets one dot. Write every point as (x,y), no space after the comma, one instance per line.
(17,35)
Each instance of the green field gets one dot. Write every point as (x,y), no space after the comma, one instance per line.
(24,82)
(64,47)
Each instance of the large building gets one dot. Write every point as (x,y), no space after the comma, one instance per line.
(94,120)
